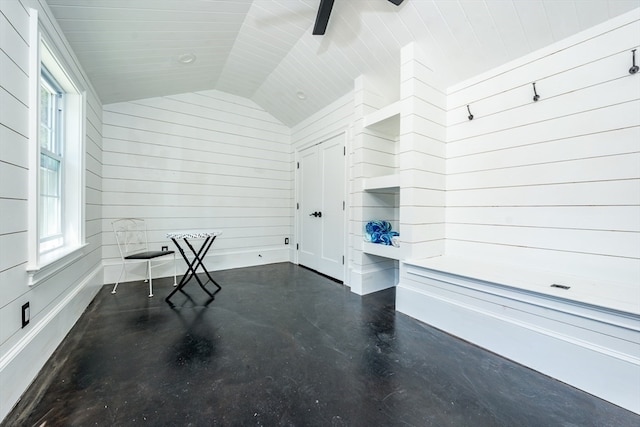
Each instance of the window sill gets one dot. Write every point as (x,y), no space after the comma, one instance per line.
(53,262)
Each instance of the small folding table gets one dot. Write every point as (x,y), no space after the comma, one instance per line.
(207,237)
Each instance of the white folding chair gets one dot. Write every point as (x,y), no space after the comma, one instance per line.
(131,237)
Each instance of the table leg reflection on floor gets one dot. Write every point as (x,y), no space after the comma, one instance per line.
(198,258)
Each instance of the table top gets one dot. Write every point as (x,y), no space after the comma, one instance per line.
(193,234)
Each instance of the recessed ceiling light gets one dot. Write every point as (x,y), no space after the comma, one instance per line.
(186,58)
(301,95)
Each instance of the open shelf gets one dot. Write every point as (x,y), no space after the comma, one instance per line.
(381,182)
(385,120)
(385,251)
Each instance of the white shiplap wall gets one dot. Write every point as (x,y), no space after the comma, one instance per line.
(422,156)
(205,160)
(542,193)
(553,183)
(57,301)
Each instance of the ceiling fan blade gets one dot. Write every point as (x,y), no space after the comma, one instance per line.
(396,2)
(322,19)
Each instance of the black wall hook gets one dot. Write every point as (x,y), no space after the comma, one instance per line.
(470,115)
(634,69)
(536,97)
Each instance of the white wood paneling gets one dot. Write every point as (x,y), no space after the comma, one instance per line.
(57,302)
(540,193)
(206,29)
(560,175)
(14,147)
(199,160)
(14,113)
(15,179)
(264,49)
(14,80)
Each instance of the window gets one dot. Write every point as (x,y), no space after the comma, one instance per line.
(51,140)
(56,168)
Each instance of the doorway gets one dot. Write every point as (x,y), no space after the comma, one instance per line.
(321,207)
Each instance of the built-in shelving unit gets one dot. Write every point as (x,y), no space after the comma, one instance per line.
(382,192)
(386,251)
(381,182)
(389,115)
(385,120)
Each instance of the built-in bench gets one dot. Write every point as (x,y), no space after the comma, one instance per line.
(607,296)
(583,332)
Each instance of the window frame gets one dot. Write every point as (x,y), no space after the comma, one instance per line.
(62,67)
(56,153)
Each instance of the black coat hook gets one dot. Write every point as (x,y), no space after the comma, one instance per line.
(634,69)
(536,97)
(470,115)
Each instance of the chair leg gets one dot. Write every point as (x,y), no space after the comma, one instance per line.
(113,291)
(150,280)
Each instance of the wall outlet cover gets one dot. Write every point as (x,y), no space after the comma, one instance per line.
(26,314)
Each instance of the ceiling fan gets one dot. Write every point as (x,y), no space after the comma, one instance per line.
(324,11)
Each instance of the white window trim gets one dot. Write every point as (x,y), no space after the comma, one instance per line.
(42,266)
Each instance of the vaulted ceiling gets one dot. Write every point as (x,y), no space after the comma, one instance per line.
(263,50)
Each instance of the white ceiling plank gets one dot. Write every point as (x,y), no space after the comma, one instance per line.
(533,18)
(263,50)
(563,18)
(438,27)
(143,26)
(150,15)
(459,25)
(618,7)
(509,27)
(237,6)
(422,36)
(153,45)
(80,38)
(492,46)
(591,12)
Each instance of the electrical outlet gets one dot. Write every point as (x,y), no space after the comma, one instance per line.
(26,314)
(286,240)
(165,248)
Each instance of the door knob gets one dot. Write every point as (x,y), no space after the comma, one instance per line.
(316,214)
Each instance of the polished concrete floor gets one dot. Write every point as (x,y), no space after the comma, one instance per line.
(281,345)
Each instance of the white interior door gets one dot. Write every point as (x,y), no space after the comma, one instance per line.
(321,207)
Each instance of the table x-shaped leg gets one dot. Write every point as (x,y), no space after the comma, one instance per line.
(192,266)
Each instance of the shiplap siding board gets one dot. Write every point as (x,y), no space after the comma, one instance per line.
(557,178)
(422,166)
(57,301)
(205,160)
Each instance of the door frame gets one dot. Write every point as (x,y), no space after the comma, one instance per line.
(345,133)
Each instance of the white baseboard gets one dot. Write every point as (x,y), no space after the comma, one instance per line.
(592,349)
(367,282)
(213,262)
(22,363)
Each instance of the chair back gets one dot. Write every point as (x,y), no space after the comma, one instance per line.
(131,236)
